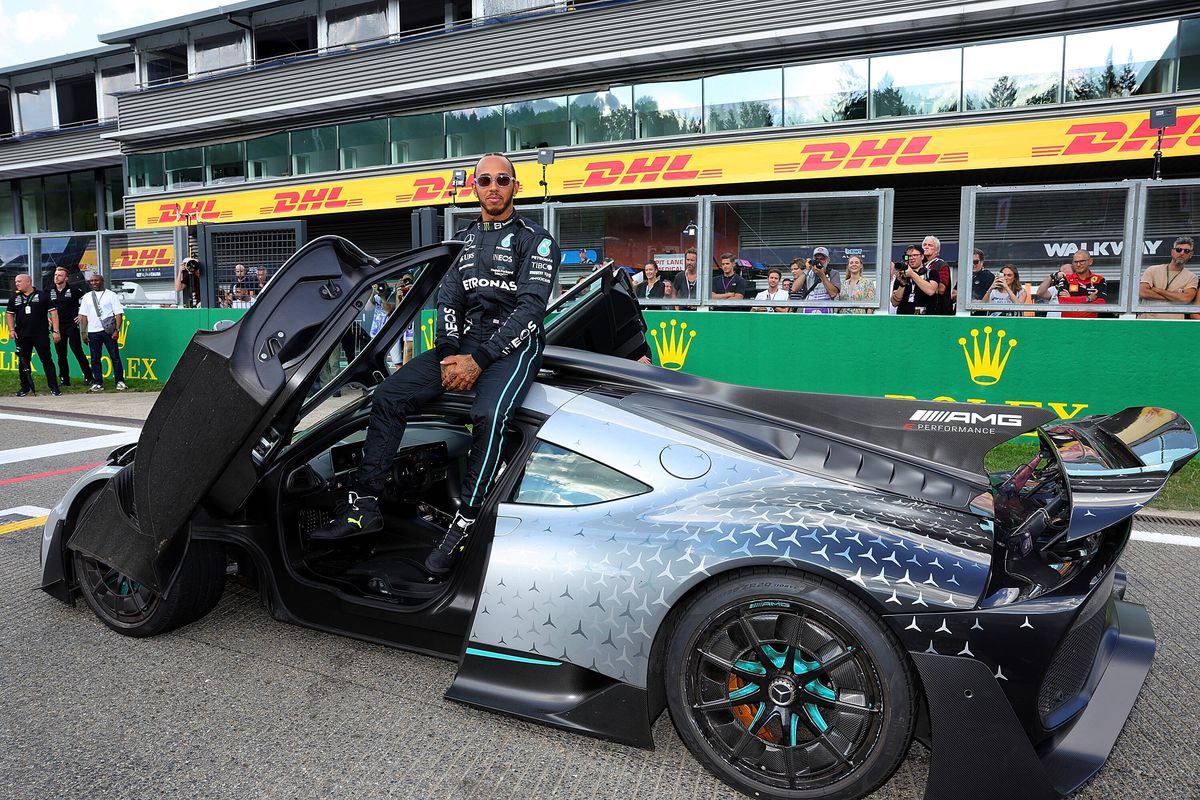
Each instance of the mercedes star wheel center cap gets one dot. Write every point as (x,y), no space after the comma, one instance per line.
(782,691)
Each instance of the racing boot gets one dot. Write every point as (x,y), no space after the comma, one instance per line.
(357,515)
(441,559)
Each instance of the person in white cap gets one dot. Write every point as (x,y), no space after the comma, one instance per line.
(820,281)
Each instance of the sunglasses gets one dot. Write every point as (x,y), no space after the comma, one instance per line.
(1182,250)
(502,179)
(976,261)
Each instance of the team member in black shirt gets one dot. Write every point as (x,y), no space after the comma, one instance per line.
(32,321)
(64,299)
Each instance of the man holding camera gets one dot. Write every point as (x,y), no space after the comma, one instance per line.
(817,282)
(934,280)
(907,297)
(490,310)
(187,282)
(1081,286)
(65,301)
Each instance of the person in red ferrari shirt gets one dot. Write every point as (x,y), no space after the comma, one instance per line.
(1079,287)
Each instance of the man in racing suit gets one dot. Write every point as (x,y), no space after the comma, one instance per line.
(491,305)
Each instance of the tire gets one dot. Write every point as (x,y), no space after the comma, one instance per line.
(134,610)
(834,723)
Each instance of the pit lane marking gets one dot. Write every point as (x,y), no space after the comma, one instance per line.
(34,516)
(50,474)
(123,435)
(1166,538)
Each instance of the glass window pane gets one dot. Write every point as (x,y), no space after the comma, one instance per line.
(14,261)
(220,52)
(166,65)
(1024,73)
(76,100)
(6,117)
(225,162)
(83,201)
(8,222)
(185,167)
(1166,276)
(555,476)
(145,172)
(1121,62)
(669,108)
(33,212)
(114,198)
(57,203)
(358,23)
(267,157)
(761,235)
(916,83)
(537,123)
(743,100)
(631,236)
(363,144)
(602,116)
(420,137)
(34,104)
(285,39)
(825,92)
(113,81)
(314,150)
(1189,54)
(75,253)
(474,131)
(1039,233)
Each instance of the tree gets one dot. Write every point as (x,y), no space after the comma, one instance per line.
(1003,93)
(889,101)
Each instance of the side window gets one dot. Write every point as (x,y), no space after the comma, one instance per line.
(558,477)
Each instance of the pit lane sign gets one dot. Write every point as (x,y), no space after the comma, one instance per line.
(979,146)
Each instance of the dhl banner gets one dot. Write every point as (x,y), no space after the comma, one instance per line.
(142,261)
(981,146)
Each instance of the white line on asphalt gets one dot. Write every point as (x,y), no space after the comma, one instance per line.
(1167,538)
(124,435)
(24,511)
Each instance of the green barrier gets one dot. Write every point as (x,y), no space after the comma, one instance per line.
(1073,367)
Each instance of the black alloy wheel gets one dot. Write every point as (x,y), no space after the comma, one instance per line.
(786,687)
(117,599)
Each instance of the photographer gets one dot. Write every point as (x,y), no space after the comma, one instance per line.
(1006,288)
(818,282)
(906,297)
(1079,286)
(187,283)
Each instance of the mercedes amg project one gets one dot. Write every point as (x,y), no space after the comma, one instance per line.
(807,583)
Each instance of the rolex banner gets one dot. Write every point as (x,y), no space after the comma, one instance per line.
(1013,361)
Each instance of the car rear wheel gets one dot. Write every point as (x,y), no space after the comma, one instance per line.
(786,687)
(132,609)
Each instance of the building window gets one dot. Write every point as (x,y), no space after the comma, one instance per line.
(114,199)
(76,100)
(185,167)
(267,157)
(34,103)
(669,108)
(359,23)
(1121,62)
(419,137)
(83,201)
(363,144)
(314,150)
(112,82)
(1189,54)
(145,172)
(743,100)
(56,197)
(831,92)
(294,37)
(8,218)
(926,82)
(474,131)
(6,118)
(220,52)
(225,163)
(537,123)
(602,116)
(1008,74)
(166,65)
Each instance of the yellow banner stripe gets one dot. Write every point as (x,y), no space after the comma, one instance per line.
(22,524)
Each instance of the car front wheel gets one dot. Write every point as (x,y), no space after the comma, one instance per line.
(785,686)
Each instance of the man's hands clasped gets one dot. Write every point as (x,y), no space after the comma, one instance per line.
(459,373)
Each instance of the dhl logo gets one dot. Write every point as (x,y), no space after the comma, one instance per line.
(437,188)
(328,198)
(142,257)
(616,171)
(1092,138)
(188,213)
(904,151)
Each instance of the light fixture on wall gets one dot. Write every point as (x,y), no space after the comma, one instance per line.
(545,158)
(690,228)
(1161,118)
(458,179)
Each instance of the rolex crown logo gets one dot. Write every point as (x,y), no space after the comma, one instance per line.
(427,335)
(121,334)
(4,334)
(672,345)
(987,366)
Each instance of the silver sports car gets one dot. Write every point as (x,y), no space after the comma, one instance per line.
(806,582)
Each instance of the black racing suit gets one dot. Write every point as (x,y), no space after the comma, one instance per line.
(491,305)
